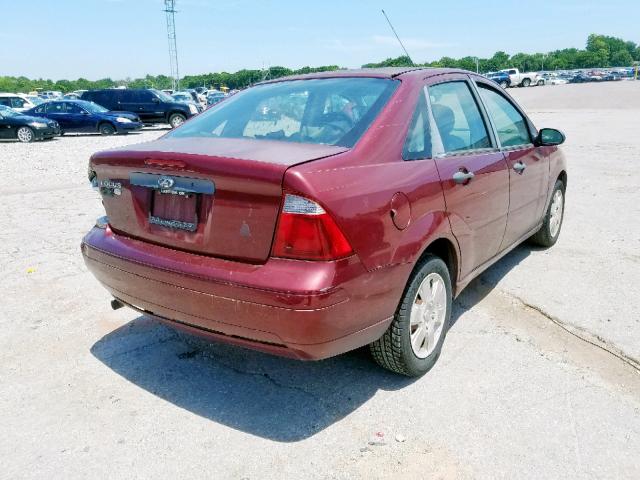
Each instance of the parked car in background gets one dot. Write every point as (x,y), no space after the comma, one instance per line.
(185,97)
(25,128)
(553,79)
(612,77)
(521,79)
(19,103)
(352,218)
(79,116)
(152,106)
(215,97)
(50,94)
(36,100)
(581,78)
(501,78)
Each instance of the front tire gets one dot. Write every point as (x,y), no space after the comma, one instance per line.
(413,342)
(504,84)
(25,135)
(176,119)
(106,129)
(548,234)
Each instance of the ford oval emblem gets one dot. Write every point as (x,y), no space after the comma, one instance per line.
(165,182)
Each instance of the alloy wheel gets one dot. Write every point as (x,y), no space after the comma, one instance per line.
(428,315)
(556,211)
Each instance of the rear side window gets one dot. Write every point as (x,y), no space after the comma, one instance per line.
(510,125)
(101,98)
(418,142)
(458,117)
(332,111)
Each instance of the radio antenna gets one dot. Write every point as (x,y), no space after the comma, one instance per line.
(399,41)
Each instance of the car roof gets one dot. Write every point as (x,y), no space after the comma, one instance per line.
(7,94)
(386,72)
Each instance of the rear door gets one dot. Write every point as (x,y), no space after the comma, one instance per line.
(473,171)
(528,166)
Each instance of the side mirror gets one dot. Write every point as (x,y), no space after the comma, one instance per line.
(549,137)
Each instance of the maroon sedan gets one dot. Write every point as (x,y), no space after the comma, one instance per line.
(311,215)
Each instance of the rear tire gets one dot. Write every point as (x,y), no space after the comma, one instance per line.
(176,119)
(106,129)
(548,234)
(424,311)
(526,82)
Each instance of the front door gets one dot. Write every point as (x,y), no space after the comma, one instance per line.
(78,119)
(56,111)
(528,166)
(473,171)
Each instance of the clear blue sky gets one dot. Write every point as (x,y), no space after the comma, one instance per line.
(127,38)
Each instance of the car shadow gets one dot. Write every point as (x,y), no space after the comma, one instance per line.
(484,284)
(97,134)
(271,397)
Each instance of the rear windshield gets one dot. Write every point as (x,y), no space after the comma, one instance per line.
(334,111)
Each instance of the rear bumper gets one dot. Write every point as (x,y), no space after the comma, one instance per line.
(305,310)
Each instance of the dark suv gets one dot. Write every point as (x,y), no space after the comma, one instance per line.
(152,106)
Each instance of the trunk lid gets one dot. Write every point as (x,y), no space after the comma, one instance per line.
(212,196)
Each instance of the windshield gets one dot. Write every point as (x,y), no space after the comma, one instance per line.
(93,107)
(163,96)
(334,111)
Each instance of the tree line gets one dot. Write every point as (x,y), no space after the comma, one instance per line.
(601,52)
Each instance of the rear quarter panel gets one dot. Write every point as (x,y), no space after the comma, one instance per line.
(357,188)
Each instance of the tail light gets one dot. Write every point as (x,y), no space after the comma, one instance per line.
(307,232)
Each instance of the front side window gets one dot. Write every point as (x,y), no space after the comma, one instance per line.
(55,107)
(73,108)
(510,125)
(332,111)
(458,117)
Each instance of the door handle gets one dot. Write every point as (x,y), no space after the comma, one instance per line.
(519,167)
(463,177)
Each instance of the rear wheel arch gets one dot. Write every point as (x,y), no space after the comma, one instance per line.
(445,249)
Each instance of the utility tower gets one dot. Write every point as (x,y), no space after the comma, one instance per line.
(170,10)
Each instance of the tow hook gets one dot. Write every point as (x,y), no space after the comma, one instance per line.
(116,304)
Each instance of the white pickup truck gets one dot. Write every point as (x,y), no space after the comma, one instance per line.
(520,79)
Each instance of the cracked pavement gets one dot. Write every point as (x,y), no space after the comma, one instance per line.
(88,392)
